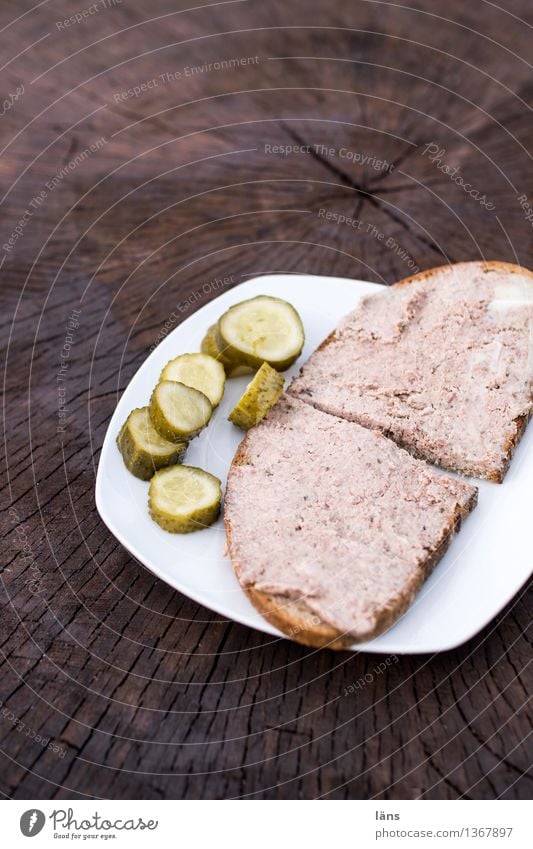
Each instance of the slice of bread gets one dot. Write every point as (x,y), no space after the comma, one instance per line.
(332,529)
(442,363)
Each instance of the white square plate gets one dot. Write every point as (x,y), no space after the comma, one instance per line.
(485,566)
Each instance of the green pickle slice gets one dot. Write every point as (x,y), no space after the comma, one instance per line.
(178,411)
(209,346)
(143,450)
(259,397)
(262,329)
(201,371)
(182,499)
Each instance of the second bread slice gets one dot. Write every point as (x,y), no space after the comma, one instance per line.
(441,362)
(332,528)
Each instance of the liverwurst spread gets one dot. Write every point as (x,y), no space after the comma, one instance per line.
(323,511)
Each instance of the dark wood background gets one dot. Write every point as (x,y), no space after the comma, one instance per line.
(142,693)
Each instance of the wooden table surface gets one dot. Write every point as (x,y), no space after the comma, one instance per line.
(145,155)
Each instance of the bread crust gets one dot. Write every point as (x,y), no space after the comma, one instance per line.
(520,423)
(487,265)
(296,619)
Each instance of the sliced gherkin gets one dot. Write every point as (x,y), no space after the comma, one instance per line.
(209,346)
(259,397)
(178,411)
(182,499)
(143,449)
(262,329)
(201,371)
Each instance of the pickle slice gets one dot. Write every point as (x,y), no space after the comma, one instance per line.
(263,329)
(201,371)
(143,450)
(209,346)
(182,499)
(259,397)
(178,411)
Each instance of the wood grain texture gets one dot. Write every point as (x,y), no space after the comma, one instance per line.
(136,691)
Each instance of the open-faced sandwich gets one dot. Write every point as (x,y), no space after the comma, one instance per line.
(332,525)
